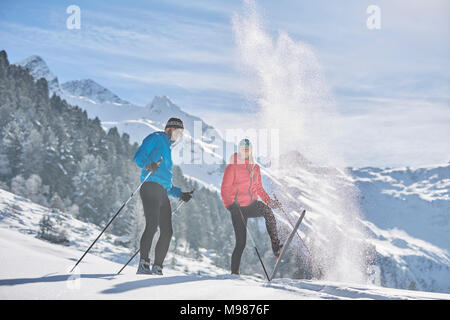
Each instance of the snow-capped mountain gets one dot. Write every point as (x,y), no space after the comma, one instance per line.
(33,268)
(416,200)
(38,69)
(90,89)
(200,139)
(407,215)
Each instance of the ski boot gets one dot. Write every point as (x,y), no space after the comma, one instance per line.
(157,270)
(144,267)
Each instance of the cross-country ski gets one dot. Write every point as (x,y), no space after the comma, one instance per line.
(286,245)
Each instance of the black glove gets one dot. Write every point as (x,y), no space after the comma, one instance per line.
(232,206)
(153,166)
(186,196)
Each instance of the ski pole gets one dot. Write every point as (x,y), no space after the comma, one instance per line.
(254,244)
(132,257)
(289,220)
(112,219)
(179,205)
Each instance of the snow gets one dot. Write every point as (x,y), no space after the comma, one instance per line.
(38,69)
(409,234)
(404,211)
(138,121)
(90,89)
(36,269)
(62,168)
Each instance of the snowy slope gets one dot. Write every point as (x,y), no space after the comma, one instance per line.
(407,215)
(416,200)
(35,269)
(90,89)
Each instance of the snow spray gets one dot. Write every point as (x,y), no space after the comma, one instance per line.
(288,89)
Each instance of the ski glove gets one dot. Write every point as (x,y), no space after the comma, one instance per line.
(186,196)
(153,166)
(233,206)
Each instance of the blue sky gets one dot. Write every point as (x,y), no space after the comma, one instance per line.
(391,86)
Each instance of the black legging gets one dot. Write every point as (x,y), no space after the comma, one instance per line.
(255,209)
(157,212)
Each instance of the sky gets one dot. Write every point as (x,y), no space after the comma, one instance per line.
(391,86)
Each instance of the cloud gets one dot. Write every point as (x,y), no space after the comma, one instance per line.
(186,79)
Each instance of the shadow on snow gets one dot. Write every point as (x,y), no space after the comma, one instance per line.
(148,281)
(57,278)
(152,281)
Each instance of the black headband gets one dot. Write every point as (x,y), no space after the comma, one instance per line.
(174,123)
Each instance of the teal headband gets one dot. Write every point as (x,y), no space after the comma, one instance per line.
(245,142)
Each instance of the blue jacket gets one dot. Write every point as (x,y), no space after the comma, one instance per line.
(154,147)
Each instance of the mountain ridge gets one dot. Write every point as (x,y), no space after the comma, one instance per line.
(90,89)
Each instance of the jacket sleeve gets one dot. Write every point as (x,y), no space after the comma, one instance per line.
(259,187)
(145,155)
(174,192)
(227,188)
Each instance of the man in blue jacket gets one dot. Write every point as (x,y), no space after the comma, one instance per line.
(155,155)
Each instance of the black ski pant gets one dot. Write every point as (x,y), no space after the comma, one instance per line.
(239,216)
(157,212)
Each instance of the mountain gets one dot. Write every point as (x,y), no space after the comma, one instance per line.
(407,217)
(416,200)
(200,141)
(34,268)
(100,102)
(38,69)
(90,89)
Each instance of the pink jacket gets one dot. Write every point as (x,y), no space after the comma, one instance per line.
(242,183)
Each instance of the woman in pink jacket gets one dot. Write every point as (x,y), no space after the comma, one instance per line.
(241,187)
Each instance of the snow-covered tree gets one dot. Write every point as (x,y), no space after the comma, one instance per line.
(57,202)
